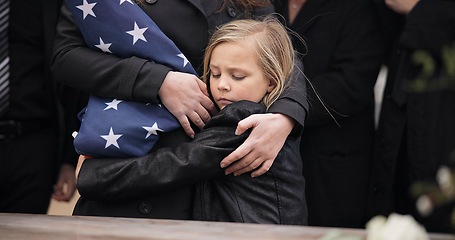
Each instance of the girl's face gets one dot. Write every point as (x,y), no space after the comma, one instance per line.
(236,75)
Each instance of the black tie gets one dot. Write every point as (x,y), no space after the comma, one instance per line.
(4,57)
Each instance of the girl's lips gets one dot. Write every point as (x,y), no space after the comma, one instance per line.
(224,101)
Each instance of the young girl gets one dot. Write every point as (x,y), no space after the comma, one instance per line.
(247,65)
(252,60)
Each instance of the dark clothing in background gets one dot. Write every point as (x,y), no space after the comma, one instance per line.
(34,138)
(342,60)
(416,131)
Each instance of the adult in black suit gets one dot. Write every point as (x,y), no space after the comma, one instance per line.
(342,58)
(33,148)
(416,128)
(142,80)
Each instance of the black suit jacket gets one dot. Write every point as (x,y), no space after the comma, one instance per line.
(342,58)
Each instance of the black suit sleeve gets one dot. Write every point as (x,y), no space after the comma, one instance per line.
(102,74)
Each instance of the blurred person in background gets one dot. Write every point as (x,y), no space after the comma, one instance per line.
(36,154)
(416,130)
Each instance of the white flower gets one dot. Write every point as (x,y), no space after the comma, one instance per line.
(395,227)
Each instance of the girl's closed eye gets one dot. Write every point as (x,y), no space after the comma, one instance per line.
(238,77)
(215,75)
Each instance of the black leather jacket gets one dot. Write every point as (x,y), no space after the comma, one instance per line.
(275,197)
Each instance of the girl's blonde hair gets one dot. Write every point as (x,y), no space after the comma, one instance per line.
(272,46)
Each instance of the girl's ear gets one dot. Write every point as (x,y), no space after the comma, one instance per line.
(271,86)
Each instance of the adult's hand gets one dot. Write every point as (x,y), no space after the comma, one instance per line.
(401,6)
(186,97)
(66,183)
(262,146)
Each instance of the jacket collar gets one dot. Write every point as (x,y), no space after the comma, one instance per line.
(207,7)
(198,4)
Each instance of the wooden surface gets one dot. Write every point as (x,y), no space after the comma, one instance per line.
(28,226)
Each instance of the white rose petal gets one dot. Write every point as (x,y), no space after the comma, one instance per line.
(396,227)
(374,227)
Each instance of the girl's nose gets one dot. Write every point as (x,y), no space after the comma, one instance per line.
(223,84)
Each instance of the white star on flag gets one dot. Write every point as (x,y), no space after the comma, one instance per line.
(122,1)
(137,33)
(185,61)
(152,130)
(104,46)
(87,8)
(113,104)
(111,139)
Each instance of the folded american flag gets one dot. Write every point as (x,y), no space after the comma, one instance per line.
(113,127)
